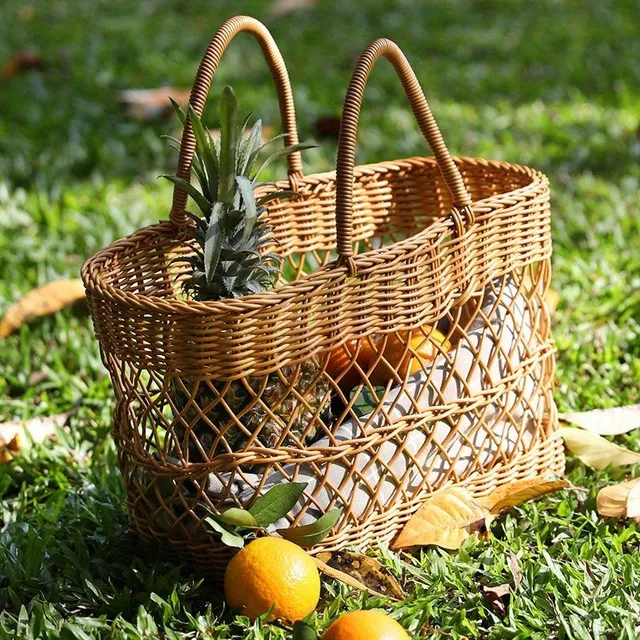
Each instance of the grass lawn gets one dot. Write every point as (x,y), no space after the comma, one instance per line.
(550,83)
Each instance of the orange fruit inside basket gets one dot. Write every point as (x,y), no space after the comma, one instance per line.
(425,343)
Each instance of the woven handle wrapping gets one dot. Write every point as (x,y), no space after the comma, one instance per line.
(347,144)
(200,91)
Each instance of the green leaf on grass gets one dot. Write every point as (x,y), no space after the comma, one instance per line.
(310,534)
(229,538)
(277,502)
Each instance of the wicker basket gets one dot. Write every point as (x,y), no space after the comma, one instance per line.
(380,250)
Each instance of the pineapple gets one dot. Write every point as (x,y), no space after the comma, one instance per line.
(233,257)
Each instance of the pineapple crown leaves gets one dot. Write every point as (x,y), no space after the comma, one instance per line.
(227,174)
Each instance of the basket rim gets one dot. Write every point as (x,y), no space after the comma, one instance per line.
(92,268)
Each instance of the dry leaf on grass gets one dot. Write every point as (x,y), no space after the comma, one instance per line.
(514,565)
(148,104)
(9,449)
(283,7)
(16,434)
(606,422)
(345,577)
(511,495)
(42,301)
(498,596)
(19,62)
(366,570)
(620,500)
(444,519)
(595,451)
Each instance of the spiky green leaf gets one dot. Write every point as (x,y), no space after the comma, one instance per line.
(249,201)
(189,189)
(228,145)
(206,154)
(249,147)
(283,194)
(213,241)
(179,111)
(286,151)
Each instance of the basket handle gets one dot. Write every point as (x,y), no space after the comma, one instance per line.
(200,91)
(347,144)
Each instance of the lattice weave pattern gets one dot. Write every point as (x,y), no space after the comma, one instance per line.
(217,401)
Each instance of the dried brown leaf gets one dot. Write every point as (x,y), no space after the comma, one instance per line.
(345,577)
(443,520)
(42,301)
(20,62)
(366,570)
(595,451)
(606,422)
(620,500)
(498,596)
(283,7)
(514,565)
(148,104)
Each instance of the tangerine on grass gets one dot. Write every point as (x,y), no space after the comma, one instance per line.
(272,572)
(369,625)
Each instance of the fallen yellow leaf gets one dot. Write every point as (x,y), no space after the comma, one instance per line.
(606,422)
(595,451)
(515,493)
(42,301)
(442,520)
(620,500)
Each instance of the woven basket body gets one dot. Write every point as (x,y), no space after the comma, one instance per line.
(420,243)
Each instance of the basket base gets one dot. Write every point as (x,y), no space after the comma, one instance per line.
(212,558)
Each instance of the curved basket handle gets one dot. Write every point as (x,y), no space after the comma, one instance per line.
(347,144)
(200,91)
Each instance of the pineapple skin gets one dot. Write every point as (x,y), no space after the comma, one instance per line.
(243,407)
